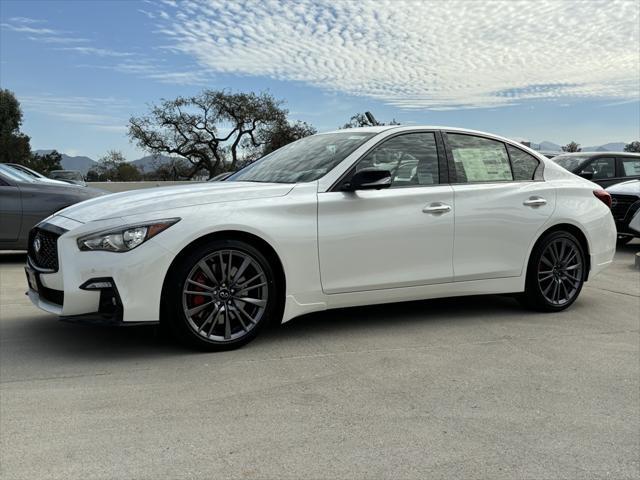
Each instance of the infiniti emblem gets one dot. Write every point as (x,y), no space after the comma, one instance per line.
(37,244)
(614,202)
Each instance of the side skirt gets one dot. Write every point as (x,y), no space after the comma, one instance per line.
(294,308)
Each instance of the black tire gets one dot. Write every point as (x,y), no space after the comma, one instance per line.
(176,301)
(623,240)
(540,288)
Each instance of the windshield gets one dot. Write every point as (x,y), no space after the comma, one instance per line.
(26,170)
(570,162)
(15,174)
(66,175)
(306,160)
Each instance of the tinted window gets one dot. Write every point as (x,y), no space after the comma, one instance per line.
(602,168)
(570,162)
(412,159)
(479,159)
(66,175)
(16,175)
(630,167)
(524,165)
(305,160)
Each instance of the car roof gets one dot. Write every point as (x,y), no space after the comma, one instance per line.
(599,154)
(384,128)
(409,128)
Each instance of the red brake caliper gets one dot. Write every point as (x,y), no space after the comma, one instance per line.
(199,299)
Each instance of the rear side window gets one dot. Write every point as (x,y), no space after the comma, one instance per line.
(630,167)
(524,165)
(479,159)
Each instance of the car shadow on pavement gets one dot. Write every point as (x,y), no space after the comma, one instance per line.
(405,315)
(76,341)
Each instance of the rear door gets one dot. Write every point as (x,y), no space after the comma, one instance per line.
(500,203)
(629,168)
(10,211)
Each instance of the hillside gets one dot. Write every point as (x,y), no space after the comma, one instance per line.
(81,163)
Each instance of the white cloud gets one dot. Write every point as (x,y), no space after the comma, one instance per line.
(421,54)
(32,30)
(59,40)
(39,34)
(25,20)
(154,70)
(146,13)
(100,52)
(100,113)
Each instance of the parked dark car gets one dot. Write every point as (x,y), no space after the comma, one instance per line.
(603,168)
(69,176)
(33,173)
(625,207)
(25,200)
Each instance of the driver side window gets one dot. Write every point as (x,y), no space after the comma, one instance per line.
(411,158)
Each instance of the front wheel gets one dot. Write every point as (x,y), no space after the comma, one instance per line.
(221,295)
(556,272)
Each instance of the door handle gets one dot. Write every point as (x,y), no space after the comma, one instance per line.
(437,208)
(534,202)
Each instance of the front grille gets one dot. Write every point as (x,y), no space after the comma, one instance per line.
(622,204)
(47,255)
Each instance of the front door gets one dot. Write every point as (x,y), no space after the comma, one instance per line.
(396,237)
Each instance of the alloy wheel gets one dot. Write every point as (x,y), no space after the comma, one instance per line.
(225,295)
(560,271)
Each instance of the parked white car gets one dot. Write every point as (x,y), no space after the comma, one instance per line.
(332,220)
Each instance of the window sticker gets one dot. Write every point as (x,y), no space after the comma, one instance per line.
(483,164)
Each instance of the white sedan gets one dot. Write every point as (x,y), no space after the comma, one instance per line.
(345,218)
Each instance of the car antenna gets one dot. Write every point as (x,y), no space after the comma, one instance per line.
(372,120)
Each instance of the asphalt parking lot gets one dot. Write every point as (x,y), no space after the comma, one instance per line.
(454,388)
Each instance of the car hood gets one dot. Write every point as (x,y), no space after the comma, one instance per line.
(161,199)
(631,187)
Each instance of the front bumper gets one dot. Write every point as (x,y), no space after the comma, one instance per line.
(137,278)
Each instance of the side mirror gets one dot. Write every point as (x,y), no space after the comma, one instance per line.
(586,174)
(369,179)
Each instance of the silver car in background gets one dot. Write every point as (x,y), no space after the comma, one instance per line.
(25,201)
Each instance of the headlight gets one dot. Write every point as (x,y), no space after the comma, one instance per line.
(123,239)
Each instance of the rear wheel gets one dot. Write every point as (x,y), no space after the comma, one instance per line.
(556,272)
(221,295)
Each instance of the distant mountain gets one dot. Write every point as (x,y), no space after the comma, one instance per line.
(549,147)
(84,164)
(607,147)
(151,162)
(81,163)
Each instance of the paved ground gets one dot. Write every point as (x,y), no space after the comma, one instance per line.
(466,388)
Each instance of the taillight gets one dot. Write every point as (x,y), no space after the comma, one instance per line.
(604,196)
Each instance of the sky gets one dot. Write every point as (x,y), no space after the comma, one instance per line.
(550,70)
